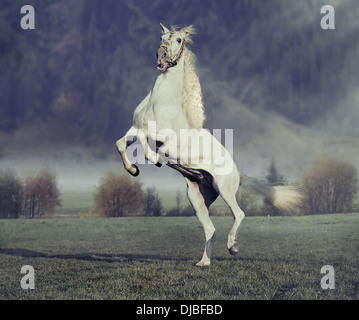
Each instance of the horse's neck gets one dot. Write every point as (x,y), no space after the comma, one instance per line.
(169,85)
(180,87)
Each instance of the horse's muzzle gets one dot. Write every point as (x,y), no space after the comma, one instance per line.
(162,67)
(162,56)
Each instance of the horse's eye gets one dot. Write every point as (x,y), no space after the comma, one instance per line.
(179,40)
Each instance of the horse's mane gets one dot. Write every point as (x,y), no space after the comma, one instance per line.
(192,94)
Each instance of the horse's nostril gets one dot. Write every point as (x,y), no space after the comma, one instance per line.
(164,55)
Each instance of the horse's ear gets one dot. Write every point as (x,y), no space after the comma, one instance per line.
(188,30)
(164,29)
(187,34)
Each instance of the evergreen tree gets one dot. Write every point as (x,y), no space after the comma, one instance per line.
(274,178)
(153,203)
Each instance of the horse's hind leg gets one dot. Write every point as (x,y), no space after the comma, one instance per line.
(238,214)
(227,187)
(121,145)
(200,202)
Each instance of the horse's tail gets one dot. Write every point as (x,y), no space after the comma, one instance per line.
(283,197)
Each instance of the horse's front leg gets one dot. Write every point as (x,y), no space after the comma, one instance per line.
(150,154)
(121,145)
(165,143)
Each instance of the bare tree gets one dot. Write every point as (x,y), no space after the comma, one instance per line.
(119,195)
(41,195)
(10,195)
(331,186)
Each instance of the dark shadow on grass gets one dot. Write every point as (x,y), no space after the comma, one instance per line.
(132,257)
(26,253)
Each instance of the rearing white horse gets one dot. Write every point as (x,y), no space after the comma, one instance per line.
(174,107)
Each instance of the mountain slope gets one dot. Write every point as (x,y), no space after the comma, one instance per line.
(88,63)
(287,88)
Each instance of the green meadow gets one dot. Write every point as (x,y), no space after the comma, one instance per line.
(154,258)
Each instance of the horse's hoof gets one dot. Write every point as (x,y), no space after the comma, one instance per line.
(137,171)
(234,249)
(158,164)
(203,263)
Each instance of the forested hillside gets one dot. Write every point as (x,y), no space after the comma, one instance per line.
(88,63)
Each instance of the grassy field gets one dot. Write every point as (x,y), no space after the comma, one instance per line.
(73,204)
(154,258)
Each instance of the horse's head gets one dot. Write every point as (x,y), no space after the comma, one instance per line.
(172,45)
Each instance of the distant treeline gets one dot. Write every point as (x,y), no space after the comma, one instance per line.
(330,186)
